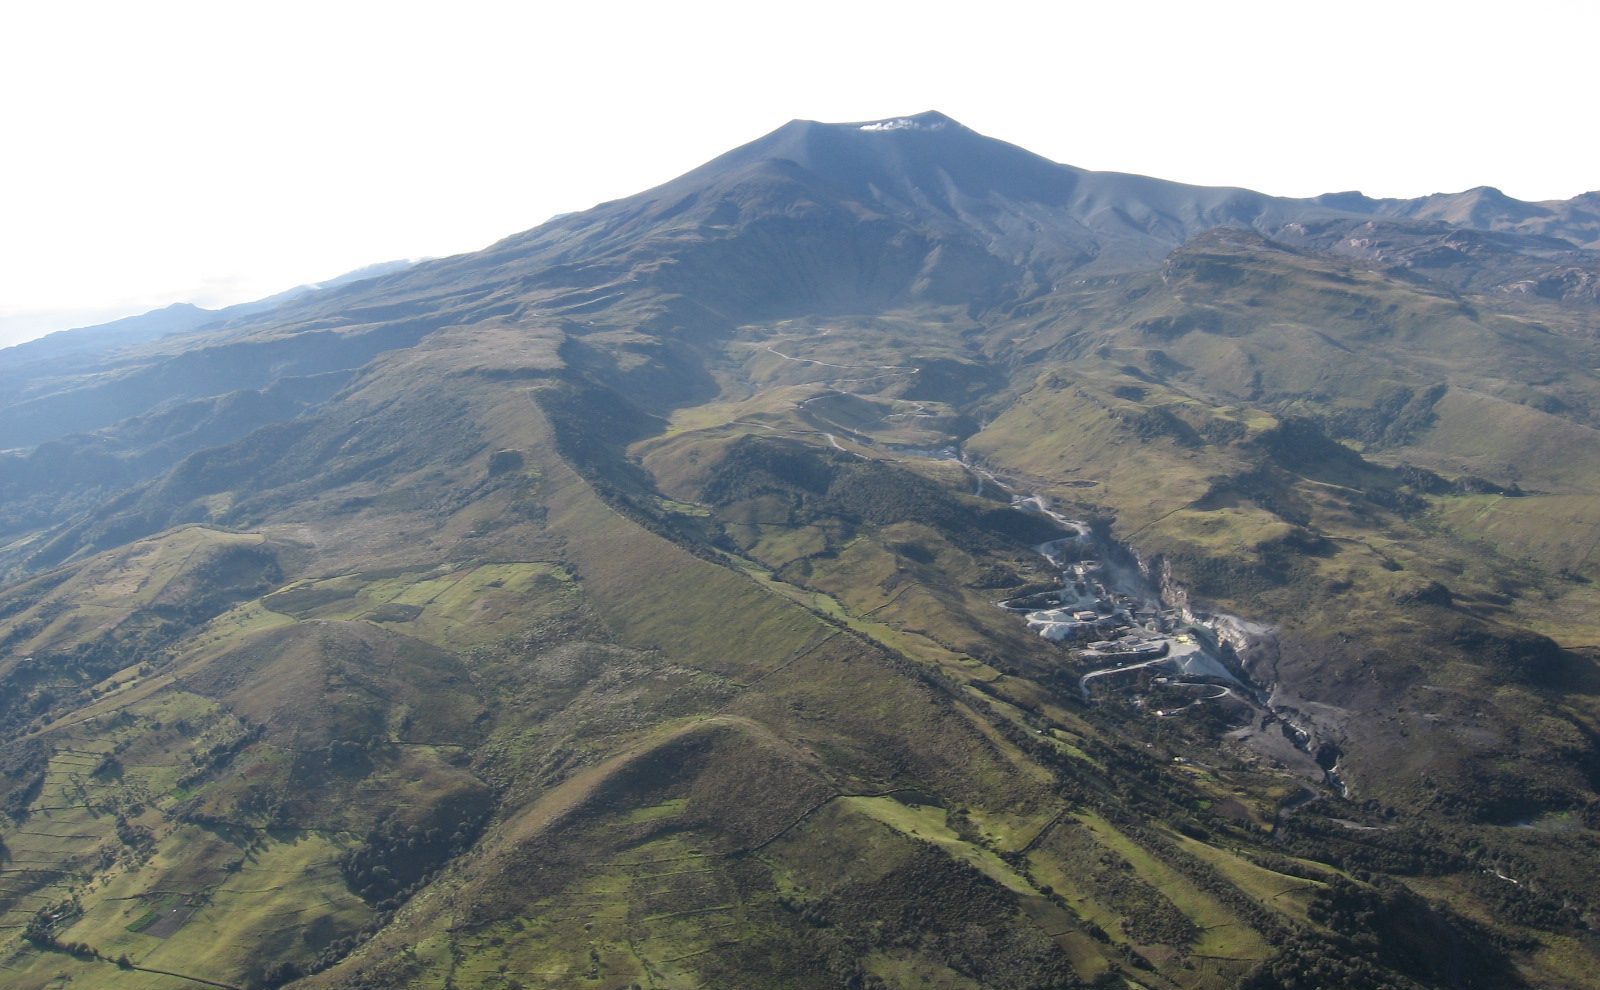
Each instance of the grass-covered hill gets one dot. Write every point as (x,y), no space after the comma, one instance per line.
(618,606)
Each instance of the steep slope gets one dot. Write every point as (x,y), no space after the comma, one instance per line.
(618,605)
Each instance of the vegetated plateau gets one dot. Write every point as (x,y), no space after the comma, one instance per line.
(880,557)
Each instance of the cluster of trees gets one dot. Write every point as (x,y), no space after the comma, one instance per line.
(1435,850)
(287,971)
(397,857)
(22,771)
(41,931)
(1419,850)
(135,837)
(1307,961)
(1384,937)
(938,907)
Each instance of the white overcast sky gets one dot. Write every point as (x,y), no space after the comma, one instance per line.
(156,152)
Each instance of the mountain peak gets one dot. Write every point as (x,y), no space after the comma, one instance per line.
(927,151)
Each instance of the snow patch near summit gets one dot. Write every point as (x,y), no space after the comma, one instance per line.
(903,124)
